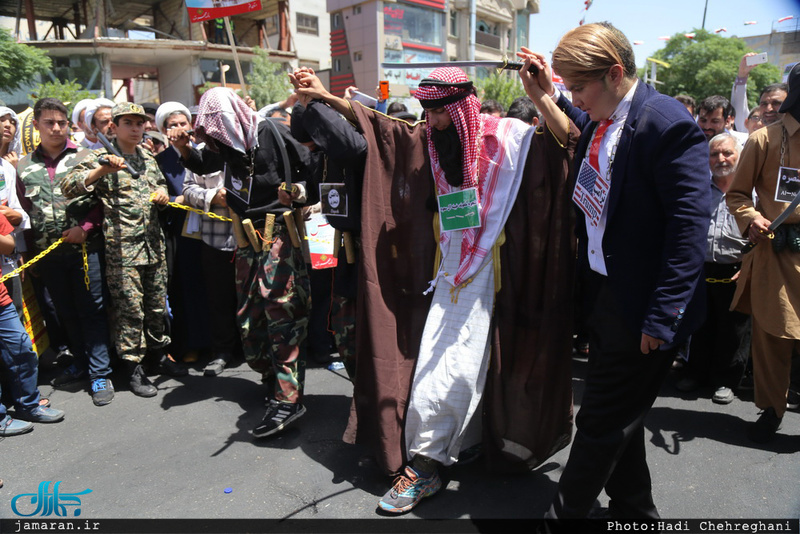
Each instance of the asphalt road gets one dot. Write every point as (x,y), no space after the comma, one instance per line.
(174,456)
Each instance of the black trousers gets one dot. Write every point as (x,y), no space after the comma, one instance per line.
(721,347)
(608,451)
(219,277)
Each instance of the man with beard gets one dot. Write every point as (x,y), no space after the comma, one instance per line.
(720,348)
(272,284)
(96,118)
(713,115)
(768,287)
(477,164)
(769,99)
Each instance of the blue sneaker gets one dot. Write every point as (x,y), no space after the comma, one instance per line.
(408,490)
(102,391)
(14,427)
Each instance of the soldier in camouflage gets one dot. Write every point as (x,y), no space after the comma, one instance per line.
(136,270)
(79,304)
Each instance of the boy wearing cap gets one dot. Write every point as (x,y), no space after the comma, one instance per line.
(136,267)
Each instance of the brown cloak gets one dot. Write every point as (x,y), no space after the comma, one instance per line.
(528,399)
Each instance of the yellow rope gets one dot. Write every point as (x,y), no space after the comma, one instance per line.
(85,265)
(194,210)
(52,247)
(38,257)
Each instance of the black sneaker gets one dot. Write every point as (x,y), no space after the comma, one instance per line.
(168,366)
(70,375)
(278,416)
(763,430)
(102,391)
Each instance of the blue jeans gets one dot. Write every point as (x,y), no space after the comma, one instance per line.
(19,360)
(82,312)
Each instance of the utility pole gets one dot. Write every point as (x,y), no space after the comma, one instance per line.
(705,10)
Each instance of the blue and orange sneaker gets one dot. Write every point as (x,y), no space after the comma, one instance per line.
(408,489)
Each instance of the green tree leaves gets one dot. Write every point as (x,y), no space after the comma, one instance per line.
(19,63)
(707,65)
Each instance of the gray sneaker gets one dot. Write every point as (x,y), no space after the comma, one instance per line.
(102,391)
(14,427)
(41,414)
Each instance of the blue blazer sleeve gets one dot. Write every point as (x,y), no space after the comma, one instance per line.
(680,177)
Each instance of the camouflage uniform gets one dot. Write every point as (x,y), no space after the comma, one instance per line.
(136,270)
(81,308)
(273,303)
(272,286)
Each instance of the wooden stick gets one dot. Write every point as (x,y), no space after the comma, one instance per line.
(235,56)
(247,224)
(238,231)
(269,227)
(300,223)
(288,218)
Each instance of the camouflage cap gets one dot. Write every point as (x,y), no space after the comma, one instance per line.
(127,108)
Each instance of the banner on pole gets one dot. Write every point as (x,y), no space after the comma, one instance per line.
(200,10)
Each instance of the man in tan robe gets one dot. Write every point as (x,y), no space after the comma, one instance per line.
(769,285)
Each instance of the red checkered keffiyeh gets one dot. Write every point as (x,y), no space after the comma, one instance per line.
(225,118)
(465,114)
(484,139)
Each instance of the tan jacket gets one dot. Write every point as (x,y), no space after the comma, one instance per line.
(769,284)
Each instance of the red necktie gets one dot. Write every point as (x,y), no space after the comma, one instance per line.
(594,150)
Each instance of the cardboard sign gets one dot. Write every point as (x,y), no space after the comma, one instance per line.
(238,186)
(788,184)
(459,210)
(590,193)
(200,10)
(320,242)
(334,199)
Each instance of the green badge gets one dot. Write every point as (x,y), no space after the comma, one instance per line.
(459,210)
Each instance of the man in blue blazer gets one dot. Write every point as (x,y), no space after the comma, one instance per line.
(643,201)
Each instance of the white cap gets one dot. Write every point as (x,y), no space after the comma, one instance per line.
(92,108)
(80,106)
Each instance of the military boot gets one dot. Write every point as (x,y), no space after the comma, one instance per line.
(139,383)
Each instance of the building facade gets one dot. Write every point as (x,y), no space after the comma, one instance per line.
(148,50)
(366,34)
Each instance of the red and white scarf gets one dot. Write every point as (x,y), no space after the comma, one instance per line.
(225,118)
(494,154)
